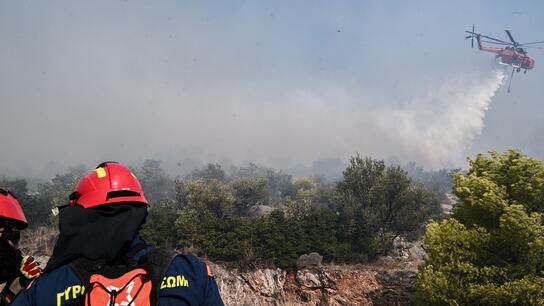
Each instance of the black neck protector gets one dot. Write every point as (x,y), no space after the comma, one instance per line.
(102,233)
(10,261)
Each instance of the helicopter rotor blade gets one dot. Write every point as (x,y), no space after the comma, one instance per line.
(472,40)
(510,36)
(497,43)
(497,40)
(532,43)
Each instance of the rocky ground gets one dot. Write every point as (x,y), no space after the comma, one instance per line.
(389,281)
(329,285)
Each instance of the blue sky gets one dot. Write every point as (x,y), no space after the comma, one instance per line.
(278,82)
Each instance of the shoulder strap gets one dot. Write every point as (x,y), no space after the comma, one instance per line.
(6,296)
(158,261)
(12,288)
(84,268)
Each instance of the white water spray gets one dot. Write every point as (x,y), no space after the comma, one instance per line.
(442,125)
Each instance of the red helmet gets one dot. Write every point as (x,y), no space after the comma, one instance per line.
(10,209)
(109,183)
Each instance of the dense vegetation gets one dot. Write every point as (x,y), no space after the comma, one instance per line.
(254,216)
(491,252)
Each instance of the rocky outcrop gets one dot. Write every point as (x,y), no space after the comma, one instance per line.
(389,281)
(413,252)
(314,278)
(350,285)
(397,288)
(260,287)
(449,202)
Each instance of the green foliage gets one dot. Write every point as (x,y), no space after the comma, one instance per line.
(159,227)
(209,197)
(208,173)
(359,178)
(522,178)
(279,183)
(62,185)
(278,238)
(437,181)
(492,251)
(158,186)
(483,201)
(249,191)
(379,203)
(208,211)
(37,205)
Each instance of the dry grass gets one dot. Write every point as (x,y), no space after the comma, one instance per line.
(39,241)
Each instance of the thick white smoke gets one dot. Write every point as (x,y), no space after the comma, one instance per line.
(441,125)
(270,126)
(434,129)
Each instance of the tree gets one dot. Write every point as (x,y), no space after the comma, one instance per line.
(208,173)
(214,197)
(62,185)
(205,206)
(157,185)
(358,178)
(437,181)
(159,227)
(491,252)
(399,206)
(45,196)
(279,184)
(249,191)
(381,201)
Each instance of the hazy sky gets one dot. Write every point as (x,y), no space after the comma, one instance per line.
(277,82)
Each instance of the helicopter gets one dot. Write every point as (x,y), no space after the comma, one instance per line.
(512,53)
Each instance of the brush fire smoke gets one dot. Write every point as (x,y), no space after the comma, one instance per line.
(435,129)
(277,129)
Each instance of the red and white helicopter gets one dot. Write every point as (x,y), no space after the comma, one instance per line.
(513,53)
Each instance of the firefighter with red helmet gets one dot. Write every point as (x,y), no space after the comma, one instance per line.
(100,259)
(16,270)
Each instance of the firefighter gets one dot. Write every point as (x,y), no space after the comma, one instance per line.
(16,270)
(100,259)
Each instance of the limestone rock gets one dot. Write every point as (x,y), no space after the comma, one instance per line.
(261,287)
(406,250)
(315,278)
(309,260)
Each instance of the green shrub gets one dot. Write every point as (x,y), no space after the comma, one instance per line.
(491,252)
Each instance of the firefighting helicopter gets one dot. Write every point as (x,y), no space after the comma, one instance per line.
(513,53)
